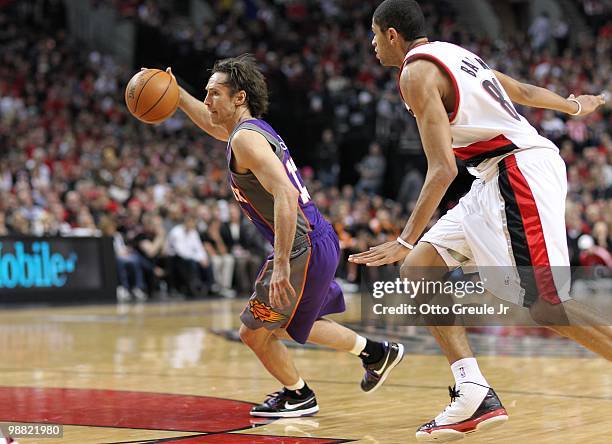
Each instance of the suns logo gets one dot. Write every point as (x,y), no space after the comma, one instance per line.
(263,312)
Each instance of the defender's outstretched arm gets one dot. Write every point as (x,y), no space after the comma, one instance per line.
(536,97)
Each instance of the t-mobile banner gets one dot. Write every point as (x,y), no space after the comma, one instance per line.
(489,296)
(56,269)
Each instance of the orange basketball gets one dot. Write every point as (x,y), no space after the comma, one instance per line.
(152,95)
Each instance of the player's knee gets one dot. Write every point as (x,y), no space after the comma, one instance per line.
(414,272)
(546,314)
(251,338)
(419,266)
(243,332)
(407,271)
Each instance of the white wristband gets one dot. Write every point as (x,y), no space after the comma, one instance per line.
(404,243)
(579,107)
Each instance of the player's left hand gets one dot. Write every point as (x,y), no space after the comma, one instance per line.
(281,290)
(589,103)
(387,253)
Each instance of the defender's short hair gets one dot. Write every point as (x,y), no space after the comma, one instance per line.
(243,75)
(405,16)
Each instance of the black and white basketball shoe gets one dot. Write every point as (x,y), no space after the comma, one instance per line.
(376,373)
(285,404)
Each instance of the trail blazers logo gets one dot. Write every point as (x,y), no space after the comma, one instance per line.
(263,312)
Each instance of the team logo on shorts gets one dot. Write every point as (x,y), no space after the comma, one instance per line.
(263,312)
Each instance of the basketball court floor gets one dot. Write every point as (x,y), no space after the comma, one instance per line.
(174,373)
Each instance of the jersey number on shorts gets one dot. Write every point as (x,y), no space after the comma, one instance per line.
(495,91)
(292,169)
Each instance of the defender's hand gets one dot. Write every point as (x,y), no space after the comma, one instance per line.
(589,103)
(387,253)
(281,290)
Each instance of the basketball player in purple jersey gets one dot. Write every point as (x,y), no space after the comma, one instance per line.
(296,286)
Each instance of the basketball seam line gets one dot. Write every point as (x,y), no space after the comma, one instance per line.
(158,100)
(142,89)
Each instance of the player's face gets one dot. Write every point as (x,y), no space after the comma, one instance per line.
(381,44)
(218,99)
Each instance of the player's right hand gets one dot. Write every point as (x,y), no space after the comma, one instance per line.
(589,103)
(281,291)
(181,90)
(168,70)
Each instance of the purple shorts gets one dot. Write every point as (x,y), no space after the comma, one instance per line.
(313,267)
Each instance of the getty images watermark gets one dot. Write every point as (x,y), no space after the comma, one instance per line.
(411,289)
(488,296)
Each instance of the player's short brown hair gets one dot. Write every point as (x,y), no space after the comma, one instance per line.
(244,75)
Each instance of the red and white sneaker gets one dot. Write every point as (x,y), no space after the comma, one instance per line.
(473,407)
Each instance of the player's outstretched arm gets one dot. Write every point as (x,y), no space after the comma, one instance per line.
(423,85)
(252,151)
(197,112)
(536,97)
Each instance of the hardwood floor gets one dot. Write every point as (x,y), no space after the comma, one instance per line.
(160,372)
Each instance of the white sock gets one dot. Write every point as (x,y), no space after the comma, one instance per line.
(465,370)
(297,386)
(360,343)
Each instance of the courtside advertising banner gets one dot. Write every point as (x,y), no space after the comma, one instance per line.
(55,269)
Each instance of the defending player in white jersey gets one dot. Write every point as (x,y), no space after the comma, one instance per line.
(513,215)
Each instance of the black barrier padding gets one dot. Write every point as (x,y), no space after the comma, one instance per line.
(57,270)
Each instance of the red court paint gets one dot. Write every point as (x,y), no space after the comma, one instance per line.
(139,410)
(233,438)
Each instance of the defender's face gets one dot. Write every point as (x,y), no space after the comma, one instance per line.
(381,45)
(218,99)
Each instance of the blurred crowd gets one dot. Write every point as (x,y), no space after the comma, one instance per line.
(73,162)
(152,12)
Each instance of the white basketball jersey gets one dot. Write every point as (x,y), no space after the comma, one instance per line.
(484,123)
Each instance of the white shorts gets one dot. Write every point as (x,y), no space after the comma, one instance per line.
(514,218)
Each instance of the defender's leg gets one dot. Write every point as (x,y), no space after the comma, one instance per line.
(474,405)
